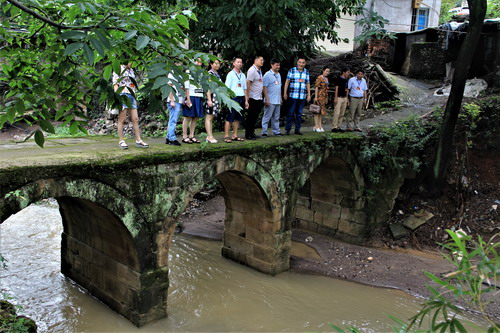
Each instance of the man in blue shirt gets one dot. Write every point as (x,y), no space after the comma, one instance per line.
(272,99)
(297,91)
(357,93)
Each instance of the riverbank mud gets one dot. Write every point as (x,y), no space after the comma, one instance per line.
(382,267)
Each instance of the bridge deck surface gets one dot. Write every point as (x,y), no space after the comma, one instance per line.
(60,151)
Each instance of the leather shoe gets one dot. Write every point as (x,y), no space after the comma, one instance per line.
(174,143)
(250,138)
(167,141)
(299,133)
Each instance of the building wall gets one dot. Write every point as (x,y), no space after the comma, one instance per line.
(398,12)
(346,30)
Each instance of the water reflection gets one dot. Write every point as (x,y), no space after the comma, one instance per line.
(207,292)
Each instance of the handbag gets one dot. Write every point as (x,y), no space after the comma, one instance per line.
(315,108)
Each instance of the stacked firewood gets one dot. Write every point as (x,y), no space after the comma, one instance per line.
(380,87)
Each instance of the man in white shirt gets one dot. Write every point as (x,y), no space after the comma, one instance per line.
(254,97)
(357,93)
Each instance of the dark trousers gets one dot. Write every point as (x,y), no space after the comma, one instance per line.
(254,110)
(295,108)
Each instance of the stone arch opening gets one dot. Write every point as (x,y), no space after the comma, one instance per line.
(250,225)
(254,232)
(105,249)
(332,201)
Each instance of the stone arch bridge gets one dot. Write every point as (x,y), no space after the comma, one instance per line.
(119,209)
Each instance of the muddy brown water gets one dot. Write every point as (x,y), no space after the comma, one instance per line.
(207,293)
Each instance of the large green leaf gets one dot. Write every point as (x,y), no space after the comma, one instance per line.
(141,42)
(72,48)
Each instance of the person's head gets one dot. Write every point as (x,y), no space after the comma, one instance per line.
(198,62)
(301,63)
(237,63)
(359,74)
(258,61)
(275,65)
(345,72)
(126,61)
(214,65)
(326,71)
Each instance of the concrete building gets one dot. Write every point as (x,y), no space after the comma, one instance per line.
(403,16)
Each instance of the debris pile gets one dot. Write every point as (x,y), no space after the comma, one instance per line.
(381,88)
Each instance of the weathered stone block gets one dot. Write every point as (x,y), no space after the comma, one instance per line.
(260,265)
(237,243)
(398,231)
(414,221)
(355,215)
(304,213)
(351,228)
(321,206)
(265,254)
(254,235)
(318,218)
(304,201)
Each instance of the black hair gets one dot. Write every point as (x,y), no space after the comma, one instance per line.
(360,71)
(324,68)
(343,70)
(257,57)
(275,61)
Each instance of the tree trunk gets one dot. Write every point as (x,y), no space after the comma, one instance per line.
(436,176)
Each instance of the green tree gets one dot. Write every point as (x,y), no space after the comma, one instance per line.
(436,174)
(446,5)
(281,28)
(493,10)
(55,55)
(373,27)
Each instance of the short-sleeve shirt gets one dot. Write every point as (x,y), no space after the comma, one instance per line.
(297,88)
(342,84)
(254,75)
(357,87)
(125,79)
(194,90)
(236,82)
(272,82)
(180,96)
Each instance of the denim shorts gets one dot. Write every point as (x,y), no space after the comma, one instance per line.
(132,100)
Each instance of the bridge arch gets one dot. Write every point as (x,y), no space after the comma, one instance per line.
(332,199)
(254,233)
(106,250)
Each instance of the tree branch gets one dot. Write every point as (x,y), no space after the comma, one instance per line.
(55,24)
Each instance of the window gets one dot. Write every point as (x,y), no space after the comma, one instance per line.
(419,19)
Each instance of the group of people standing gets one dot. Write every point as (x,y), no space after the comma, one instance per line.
(253,92)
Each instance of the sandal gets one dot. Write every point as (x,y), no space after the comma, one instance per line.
(123,144)
(194,140)
(212,140)
(227,140)
(186,140)
(238,139)
(141,144)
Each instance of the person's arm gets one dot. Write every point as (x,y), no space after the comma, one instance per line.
(186,93)
(266,96)
(172,100)
(316,88)
(308,85)
(247,91)
(365,94)
(285,92)
(336,96)
(209,99)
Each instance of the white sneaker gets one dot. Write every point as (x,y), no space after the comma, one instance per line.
(321,129)
(315,129)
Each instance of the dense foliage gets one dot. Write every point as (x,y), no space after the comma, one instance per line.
(281,28)
(56,55)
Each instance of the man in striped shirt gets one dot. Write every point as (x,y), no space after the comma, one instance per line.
(297,91)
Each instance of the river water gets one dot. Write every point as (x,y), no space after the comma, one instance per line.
(207,292)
